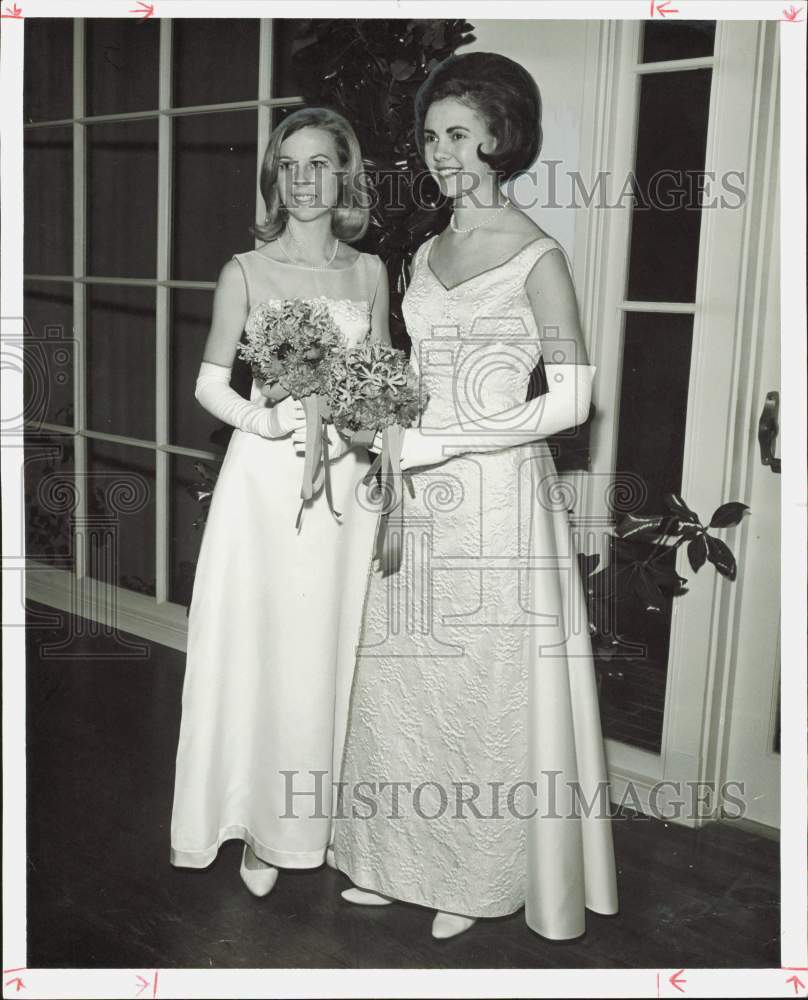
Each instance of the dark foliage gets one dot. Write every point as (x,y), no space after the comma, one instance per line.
(642,562)
(369,71)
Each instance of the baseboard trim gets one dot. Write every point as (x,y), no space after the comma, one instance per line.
(752,826)
(116,608)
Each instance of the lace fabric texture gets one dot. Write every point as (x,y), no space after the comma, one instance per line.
(350,315)
(475,670)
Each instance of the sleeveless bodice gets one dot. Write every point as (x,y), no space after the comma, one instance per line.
(477,342)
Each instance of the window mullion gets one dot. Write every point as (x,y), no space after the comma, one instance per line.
(80,539)
(675,65)
(162,318)
(631,305)
(265,70)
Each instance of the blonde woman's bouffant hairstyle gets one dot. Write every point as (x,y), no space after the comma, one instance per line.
(349,220)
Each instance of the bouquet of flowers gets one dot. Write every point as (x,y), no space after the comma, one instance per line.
(372,388)
(295,342)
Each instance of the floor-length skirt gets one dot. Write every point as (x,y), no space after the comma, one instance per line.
(272,633)
(474,770)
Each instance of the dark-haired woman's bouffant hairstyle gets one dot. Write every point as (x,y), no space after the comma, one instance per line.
(502,92)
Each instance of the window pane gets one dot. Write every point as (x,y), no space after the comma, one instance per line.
(49,498)
(120,361)
(671,145)
(185,510)
(277,115)
(121,509)
(632,653)
(286,39)
(49,352)
(48,73)
(231,46)
(653,406)
(214,191)
(48,168)
(122,199)
(633,671)
(122,64)
(677,40)
(190,425)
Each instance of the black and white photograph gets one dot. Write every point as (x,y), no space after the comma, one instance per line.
(404,499)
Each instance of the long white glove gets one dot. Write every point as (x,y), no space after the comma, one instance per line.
(565,405)
(214,392)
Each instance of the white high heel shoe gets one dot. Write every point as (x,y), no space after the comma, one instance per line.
(364,898)
(446,925)
(257,875)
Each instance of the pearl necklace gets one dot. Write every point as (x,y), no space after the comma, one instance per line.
(485,222)
(310,267)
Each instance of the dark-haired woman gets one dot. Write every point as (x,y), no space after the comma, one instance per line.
(474,712)
(275,613)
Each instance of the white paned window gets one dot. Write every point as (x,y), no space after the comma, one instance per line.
(142,152)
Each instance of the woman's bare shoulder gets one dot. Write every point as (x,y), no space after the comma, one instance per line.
(516,230)
(348,255)
(270,250)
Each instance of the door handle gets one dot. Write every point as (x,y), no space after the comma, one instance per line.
(768,429)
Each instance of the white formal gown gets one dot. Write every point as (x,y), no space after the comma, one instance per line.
(476,665)
(274,623)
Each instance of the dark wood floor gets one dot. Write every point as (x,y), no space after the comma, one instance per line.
(102,735)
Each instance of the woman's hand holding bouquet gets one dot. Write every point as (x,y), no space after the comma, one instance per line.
(293,343)
(373,392)
(369,392)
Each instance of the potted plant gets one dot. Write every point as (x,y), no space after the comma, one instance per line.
(641,573)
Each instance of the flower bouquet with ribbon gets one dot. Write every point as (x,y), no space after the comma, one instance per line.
(294,342)
(372,388)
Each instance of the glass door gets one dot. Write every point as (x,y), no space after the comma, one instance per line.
(674,80)
(691,104)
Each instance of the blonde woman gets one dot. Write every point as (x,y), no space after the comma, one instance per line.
(275,613)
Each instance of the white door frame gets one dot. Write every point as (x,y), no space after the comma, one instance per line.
(739,138)
(750,692)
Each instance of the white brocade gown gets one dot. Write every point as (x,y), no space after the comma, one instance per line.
(475,676)
(274,624)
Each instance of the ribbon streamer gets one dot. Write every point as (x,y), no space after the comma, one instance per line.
(389,544)
(317,413)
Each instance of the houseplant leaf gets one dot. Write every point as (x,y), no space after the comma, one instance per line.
(697,552)
(631,524)
(728,515)
(675,503)
(721,557)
